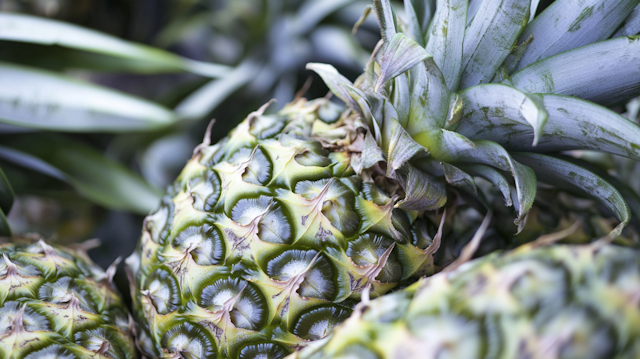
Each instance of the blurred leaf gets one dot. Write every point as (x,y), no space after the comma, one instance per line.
(206,98)
(312,12)
(46,100)
(17,27)
(96,177)
(6,193)
(5,231)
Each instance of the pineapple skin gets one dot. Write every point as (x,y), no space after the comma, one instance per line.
(563,301)
(56,303)
(267,239)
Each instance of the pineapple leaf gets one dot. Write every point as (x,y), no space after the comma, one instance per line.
(489,38)
(401,54)
(46,100)
(631,26)
(386,19)
(423,192)
(563,173)
(446,35)
(312,12)
(495,107)
(333,79)
(568,24)
(492,175)
(458,178)
(6,193)
(401,148)
(97,178)
(413,23)
(605,72)
(204,100)
(429,105)
(457,149)
(137,57)
(572,124)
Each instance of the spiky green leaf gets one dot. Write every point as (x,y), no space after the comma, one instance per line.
(565,174)
(631,26)
(489,38)
(572,124)
(492,175)
(401,54)
(45,100)
(495,107)
(141,58)
(606,72)
(458,178)
(386,19)
(422,191)
(333,79)
(565,25)
(446,35)
(99,179)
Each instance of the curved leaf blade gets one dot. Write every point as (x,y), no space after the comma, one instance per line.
(97,178)
(45,100)
(446,35)
(565,25)
(490,36)
(631,26)
(572,124)
(25,28)
(494,176)
(6,193)
(562,173)
(488,106)
(605,72)
(401,54)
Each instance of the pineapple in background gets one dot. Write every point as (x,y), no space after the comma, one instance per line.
(268,238)
(563,301)
(56,303)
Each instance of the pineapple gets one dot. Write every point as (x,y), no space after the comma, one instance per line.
(56,303)
(268,238)
(562,301)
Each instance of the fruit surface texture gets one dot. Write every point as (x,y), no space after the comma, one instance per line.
(556,302)
(56,303)
(268,238)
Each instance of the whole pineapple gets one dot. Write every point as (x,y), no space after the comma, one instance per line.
(563,301)
(56,303)
(269,237)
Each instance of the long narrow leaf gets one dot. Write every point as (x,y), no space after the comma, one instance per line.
(40,99)
(446,35)
(558,172)
(568,24)
(494,107)
(6,193)
(572,124)
(5,230)
(606,72)
(631,26)
(25,28)
(490,36)
(401,54)
(97,178)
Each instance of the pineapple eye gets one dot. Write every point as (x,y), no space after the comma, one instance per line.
(54,351)
(31,320)
(274,226)
(204,243)
(205,191)
(318,279)
(189,341)
(158,223)
(94,339)
(258,170)
(161,287)
(367,249)
(266,126)
(64,291)
(263,351)
(249,309)
(317,323)
(338,205)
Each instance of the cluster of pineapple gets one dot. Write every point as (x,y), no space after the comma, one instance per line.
(272,238)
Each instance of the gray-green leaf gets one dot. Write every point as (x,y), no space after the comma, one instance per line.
(401,54)
(45,100)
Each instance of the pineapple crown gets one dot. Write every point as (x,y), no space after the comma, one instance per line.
(458,90)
